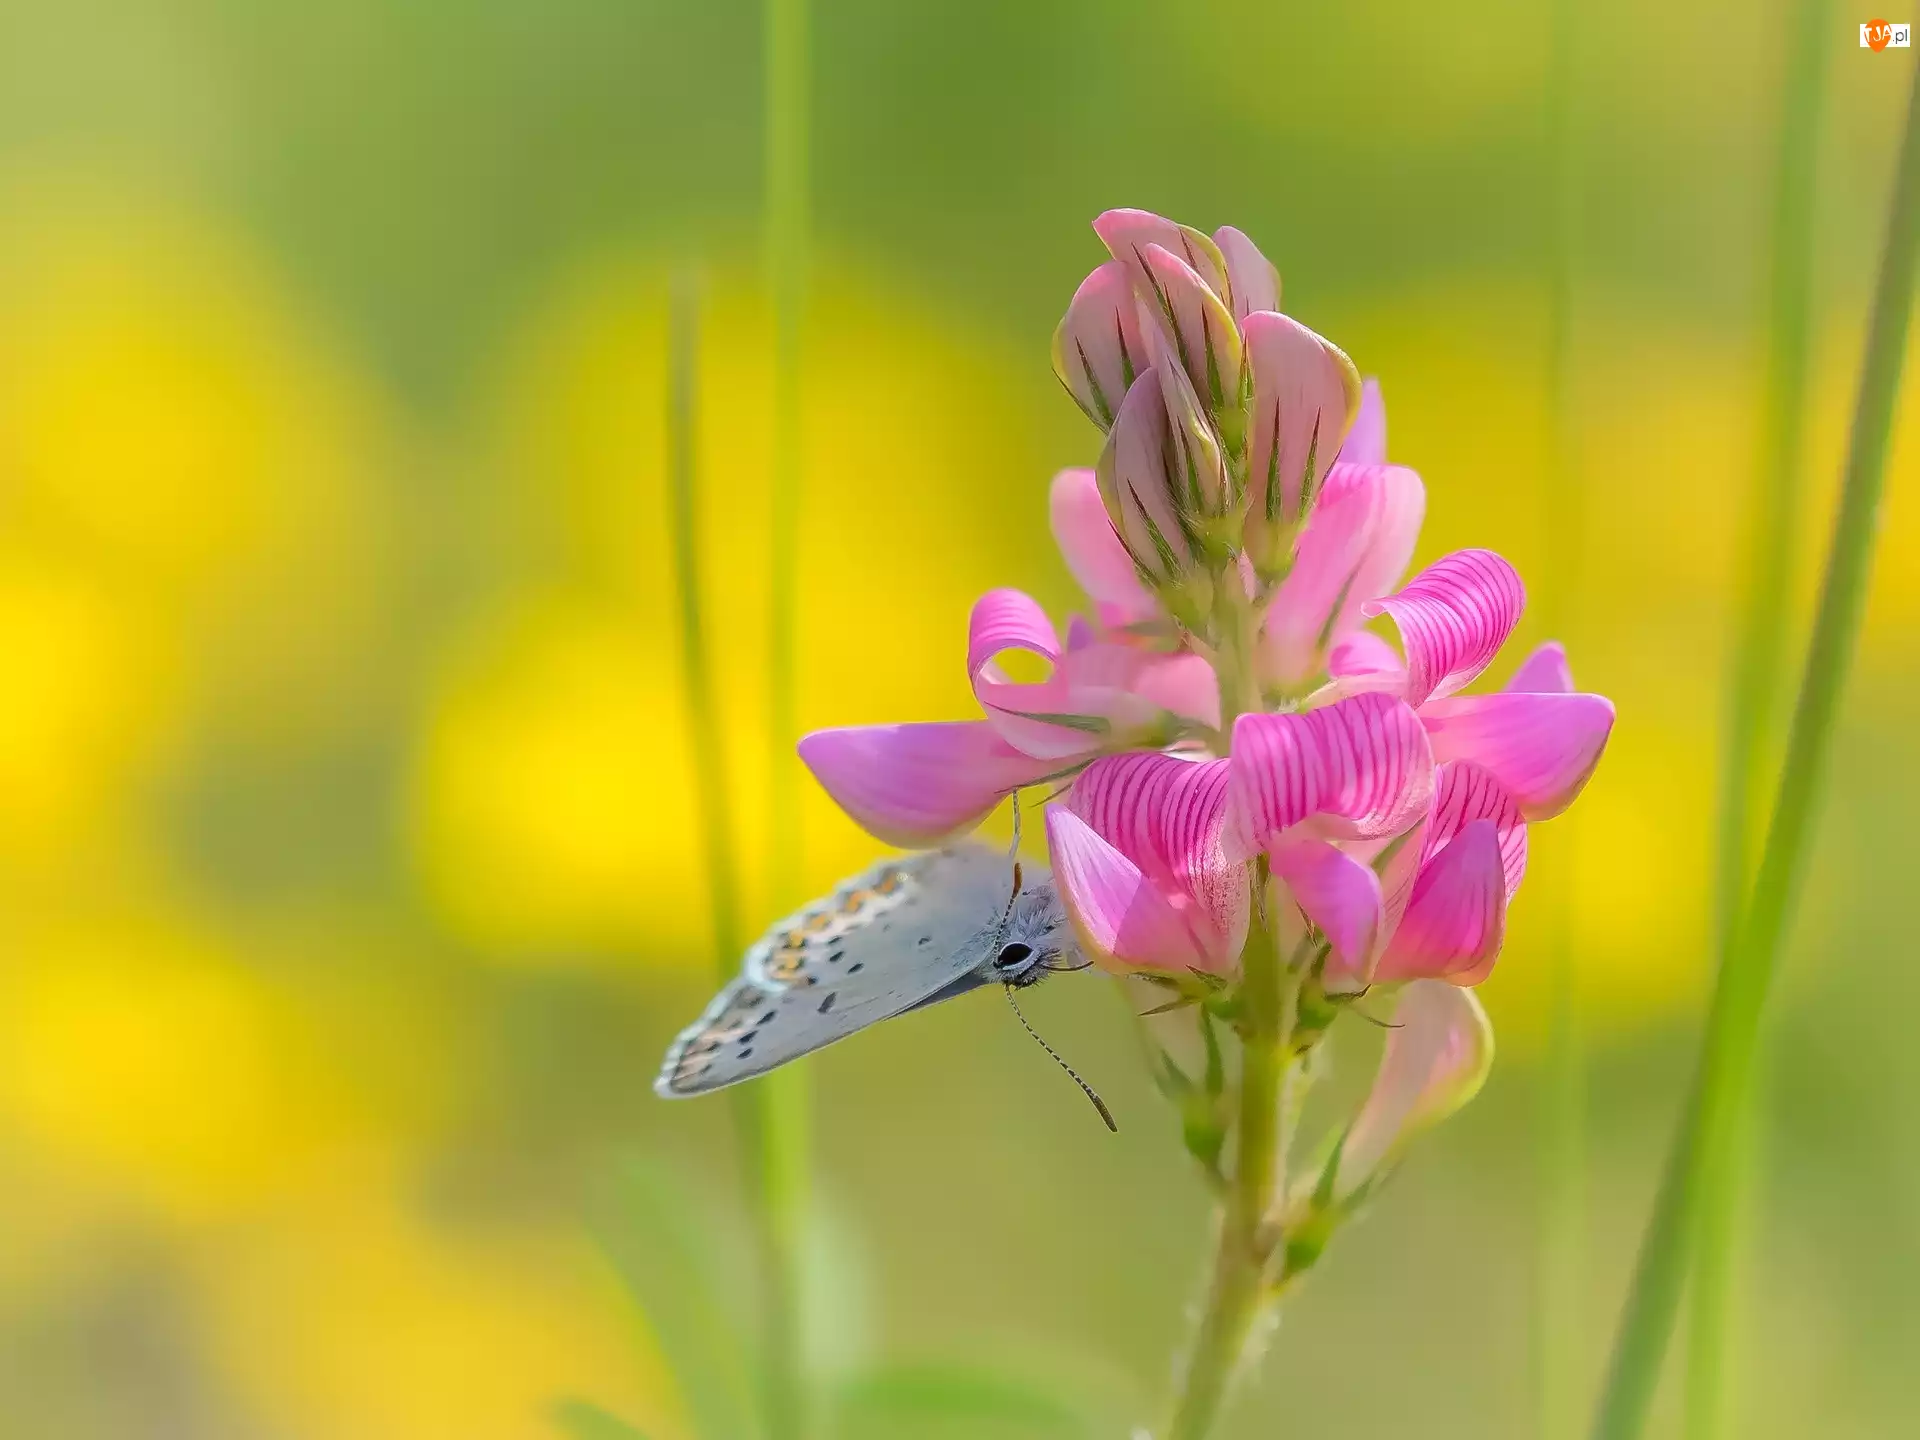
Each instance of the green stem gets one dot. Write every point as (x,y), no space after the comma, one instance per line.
(1242,1247)
(783,1140)
(712,791)
(1561,1258)
(754,1115)
(1759,659)
(1740,991)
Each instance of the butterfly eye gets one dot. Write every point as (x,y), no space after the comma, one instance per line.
(1013,956)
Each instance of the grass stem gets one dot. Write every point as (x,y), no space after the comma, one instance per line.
(785,1142)
(1561,1257)
(1740,991)
(1759,644)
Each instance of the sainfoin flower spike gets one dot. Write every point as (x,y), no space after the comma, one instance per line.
(1275,784)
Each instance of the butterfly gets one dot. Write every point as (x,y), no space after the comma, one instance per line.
(907,933)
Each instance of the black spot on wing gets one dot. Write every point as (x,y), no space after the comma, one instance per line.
(827,1004)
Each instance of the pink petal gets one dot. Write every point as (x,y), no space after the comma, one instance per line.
(1435,1060)
(917,785)
(1305,392)
(1165,815)
(1043,718)
(1361,766)
(1133,480)
(1256,284)
(1097,349)
(1456,918)
(1338,893)
(1540,748)
(1453,616)
(1092,548)
(1200,328)
(1183,685)
(1354,549)
(1128,233)
(1367,441)
(1464,792)
(1008,620)
(1544,672)
(1364,653)
(1121,920)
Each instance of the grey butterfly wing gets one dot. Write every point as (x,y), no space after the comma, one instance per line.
(881,944)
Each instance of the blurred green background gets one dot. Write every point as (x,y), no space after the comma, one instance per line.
(347,885)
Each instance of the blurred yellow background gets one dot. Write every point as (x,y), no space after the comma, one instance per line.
(348,892)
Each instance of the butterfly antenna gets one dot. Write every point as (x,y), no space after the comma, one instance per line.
(1091,1093)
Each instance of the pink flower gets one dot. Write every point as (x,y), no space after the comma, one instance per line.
(1501,761)
(1150,849)
(1245,474)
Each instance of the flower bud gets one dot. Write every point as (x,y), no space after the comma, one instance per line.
(1306,393)
(1254,282)
(1198,331)
(1155,478)
(1128,233)
(1098,349)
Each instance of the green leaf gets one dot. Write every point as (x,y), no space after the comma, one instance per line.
(673,1250)
(583,1420)
(937,1402)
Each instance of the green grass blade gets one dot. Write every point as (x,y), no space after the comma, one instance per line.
(685,1272)
(1560,1261)
(780,1166)
(1740,992)
(1759,649)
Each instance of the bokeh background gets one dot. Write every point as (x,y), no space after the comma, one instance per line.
(347,879)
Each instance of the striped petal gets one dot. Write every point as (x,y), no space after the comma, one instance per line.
(1199,327)
(1165,815)
(1254,281)
(1544,672)
(1004,620)
(1453,616)
(1540,748)
(1134,483)
(1367,441)
(1093,552)
(1355,548)
(918,785)
(1122,921)
(1097,348)
(1338,893)
(1456,917)
(1464,792)
(1305,393)
(1099,696)
(1128,233)
(1359,768)
(1435,1060)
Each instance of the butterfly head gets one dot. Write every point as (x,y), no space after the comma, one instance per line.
(1035,940)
